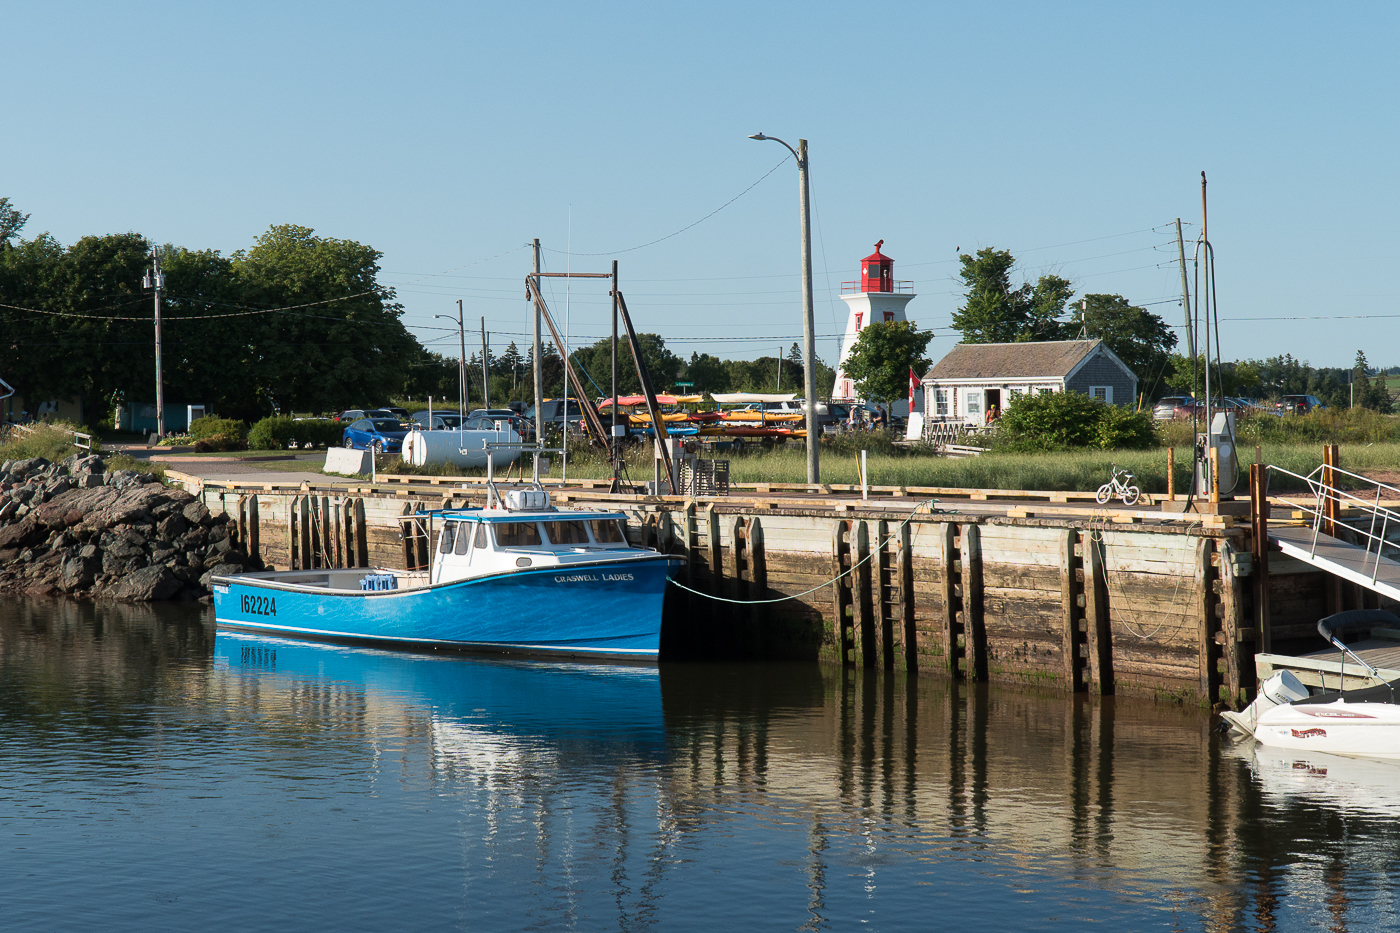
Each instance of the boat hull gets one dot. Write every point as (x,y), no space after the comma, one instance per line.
(1366,730)
(606,609)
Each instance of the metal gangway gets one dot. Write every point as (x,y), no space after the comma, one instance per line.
(1356,548)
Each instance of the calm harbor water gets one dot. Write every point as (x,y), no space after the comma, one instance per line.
(159,776)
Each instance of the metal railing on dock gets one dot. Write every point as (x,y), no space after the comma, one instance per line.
(1328,500)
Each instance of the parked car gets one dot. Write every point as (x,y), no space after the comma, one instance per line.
(399,413)
(554,413)
(508,418)
(441,419)
(1173,406)
(381,434)
(356,414)
(1298,404)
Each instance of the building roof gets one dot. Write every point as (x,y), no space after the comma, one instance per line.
(1048,359)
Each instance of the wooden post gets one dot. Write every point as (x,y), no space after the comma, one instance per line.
(316,552)
(885,593)
(327,542)
(1071,639)
(304,529)
(841,591)
(293,535)
(691,541)
(974,632)
(1259,526)
(1215,474)
(253,541)
(909,635)
(715,551)
(1237,679)
(1331,514)
(738,560)
(361,535)
(410,554)
(758,563)
(1098,637)
(862,600)
(1171,474)
(951,628)
(1206,622)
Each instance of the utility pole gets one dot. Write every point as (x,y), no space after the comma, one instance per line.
(461,362)
(155,279)
(1185,294)
(485,367)
(614,439)
(809,333)
(539,364)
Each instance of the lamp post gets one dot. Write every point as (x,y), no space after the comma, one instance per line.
(809,336)
(461,360)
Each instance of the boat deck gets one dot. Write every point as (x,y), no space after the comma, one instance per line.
(1320,668)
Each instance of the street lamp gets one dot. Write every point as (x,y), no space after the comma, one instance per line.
(809,337)
(461,360)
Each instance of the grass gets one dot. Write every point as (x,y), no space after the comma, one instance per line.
(1060,472)
(50,441)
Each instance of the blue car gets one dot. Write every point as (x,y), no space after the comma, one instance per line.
(381,434)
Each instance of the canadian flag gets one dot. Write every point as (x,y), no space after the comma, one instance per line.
(913,387)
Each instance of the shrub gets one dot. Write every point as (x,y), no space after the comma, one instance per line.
(279,432)
(209,426)
(1071,421)
(220,442)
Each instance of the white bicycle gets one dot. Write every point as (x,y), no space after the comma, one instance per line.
(1119,488)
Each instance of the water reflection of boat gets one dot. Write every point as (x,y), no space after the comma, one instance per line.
(1353,784)
(479,711)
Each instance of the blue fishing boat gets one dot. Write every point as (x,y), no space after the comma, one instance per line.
(518,576)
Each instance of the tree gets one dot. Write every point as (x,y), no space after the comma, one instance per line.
(881,357)
(709,373)
(593,364)
(11,222)
(1368,394)
(1138,337)
(994,312)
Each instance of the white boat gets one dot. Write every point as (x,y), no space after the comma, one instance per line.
(1362,722)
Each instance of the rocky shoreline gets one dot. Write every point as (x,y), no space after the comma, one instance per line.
(73,528)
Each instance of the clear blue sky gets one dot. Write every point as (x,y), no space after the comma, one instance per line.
(448,133)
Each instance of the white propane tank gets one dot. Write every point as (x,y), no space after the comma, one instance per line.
(430,448)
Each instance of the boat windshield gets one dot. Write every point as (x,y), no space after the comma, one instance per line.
(571,532)
(607,531)
(449,533)
(516,534)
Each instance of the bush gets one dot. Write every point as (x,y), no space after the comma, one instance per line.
(1071,421)
(279,432)
(209,426)
(216,443)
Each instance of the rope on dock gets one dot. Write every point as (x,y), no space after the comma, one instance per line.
(782,599)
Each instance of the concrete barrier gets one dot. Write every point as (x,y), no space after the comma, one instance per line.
(347,462)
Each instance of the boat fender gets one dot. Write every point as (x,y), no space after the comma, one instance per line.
(377,582)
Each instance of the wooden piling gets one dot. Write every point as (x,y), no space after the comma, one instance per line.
(841,591)
(1207,624)
(863,599)
(886,590)
(1331,520)
(1098,632)
(973,604)
(304,530)
(1073,641)
(908,633)
(293,535)
(361,535)
(1171,474)
(715,551)
(1259,527)
(950,631)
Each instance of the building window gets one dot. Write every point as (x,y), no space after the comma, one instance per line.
(1045,390)
(1102,393)
(940,402)
(1013,393)
(889,316)
(859,318)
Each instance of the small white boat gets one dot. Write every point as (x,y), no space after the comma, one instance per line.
(1363,722)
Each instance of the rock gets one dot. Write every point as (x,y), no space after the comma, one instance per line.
(147,584)
(121,479)
(91,480)
(195,513)
(219,570)
(8,509)
(78,572)
(173,526)
(161,555)
(19,469)
(57,486)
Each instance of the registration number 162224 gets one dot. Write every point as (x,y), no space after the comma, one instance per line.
(254,605)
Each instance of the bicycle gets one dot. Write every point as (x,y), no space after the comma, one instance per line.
(1118,488)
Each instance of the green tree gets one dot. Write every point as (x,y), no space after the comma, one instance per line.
(1368,394)
(1138,337)
(994,312)
(11,222)
(595,361)
(881,357)
(709,373)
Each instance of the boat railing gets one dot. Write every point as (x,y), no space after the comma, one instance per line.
(1328,498)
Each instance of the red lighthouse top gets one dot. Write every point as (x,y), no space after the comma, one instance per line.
(877,271)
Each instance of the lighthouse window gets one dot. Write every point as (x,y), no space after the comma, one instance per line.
(889,316)
(874,272)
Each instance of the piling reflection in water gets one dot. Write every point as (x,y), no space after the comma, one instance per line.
(526,794)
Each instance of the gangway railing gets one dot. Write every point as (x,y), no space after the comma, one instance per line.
(1328,499)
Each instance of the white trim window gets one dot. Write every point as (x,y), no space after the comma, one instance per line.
(974,404)
(940,402)
(1102,393)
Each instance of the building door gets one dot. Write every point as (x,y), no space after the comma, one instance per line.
(993,404)
(973,411)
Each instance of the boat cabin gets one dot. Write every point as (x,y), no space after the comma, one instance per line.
(473,542)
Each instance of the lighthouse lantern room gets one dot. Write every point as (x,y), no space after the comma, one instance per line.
(875,298)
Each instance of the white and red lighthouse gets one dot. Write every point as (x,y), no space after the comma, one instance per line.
(874,298)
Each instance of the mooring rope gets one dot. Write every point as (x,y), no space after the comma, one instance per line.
(782,599)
